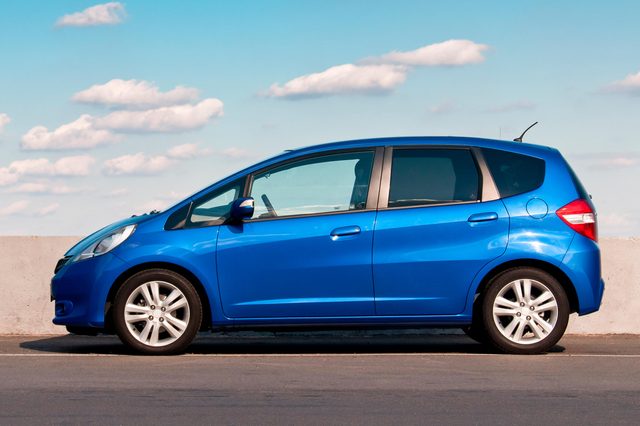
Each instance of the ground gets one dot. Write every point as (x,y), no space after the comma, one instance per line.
(319,379)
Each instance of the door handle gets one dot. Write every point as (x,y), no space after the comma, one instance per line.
(345,231)
(483,217)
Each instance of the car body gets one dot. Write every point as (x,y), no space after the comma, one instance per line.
(431,221)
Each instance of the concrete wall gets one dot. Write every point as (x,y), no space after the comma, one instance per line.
(26,266)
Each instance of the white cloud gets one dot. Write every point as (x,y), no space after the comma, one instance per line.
(615,163)
(523,105)
(45,188)
(7,177)
(165,119)
(165,112)
(4,120)
(442,108)
(236,153)
(134,93)
(38,166)
(14,208)
(142,164)
(79,134)
(118,192)
(608,161)
(89,132)
(161,202)
(187,151)
(347,78)
(47,210)
(22,206)
(79,165)
(155,204)
(621,162)
(446,53)
(137,164)
(379,74)
(111,13)
(618,224)
(614,219)
(630,85)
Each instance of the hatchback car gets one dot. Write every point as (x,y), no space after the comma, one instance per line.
(498,238)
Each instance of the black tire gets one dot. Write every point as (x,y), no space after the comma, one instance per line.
(476,332)
(170,280)
(83,331)
(538,345)
(476,329)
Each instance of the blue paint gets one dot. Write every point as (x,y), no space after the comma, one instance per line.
(537,208)
(378,266)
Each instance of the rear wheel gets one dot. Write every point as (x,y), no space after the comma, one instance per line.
(157,312)
(525,311)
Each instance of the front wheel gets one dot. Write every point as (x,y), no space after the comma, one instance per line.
(157,312)
(525,311)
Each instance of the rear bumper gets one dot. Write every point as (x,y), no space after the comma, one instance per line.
(582,265)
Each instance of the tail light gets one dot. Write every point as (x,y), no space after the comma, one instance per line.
(580,217)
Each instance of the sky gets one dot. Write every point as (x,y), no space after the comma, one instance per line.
(113,109)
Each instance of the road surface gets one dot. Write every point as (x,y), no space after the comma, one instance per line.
(319,379)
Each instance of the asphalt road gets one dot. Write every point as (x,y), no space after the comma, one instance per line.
(322,379)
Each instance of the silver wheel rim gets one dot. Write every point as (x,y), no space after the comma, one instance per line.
(157,313)
(525,311)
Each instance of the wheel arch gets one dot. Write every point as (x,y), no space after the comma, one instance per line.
(547,267)
(193,279)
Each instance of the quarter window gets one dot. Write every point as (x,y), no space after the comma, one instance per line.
(330,183)
(215,207)
(514,173)
(432,176)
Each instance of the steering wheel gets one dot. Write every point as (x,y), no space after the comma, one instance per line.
(268,205)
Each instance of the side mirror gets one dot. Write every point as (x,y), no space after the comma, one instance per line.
(242,208)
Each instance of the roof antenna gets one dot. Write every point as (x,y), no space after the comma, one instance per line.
(519,139)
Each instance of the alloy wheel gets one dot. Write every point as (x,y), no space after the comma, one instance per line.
(525,311)
(157,313)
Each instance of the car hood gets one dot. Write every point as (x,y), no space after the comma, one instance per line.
(98,235)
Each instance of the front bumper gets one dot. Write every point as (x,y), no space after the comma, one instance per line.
(80,290)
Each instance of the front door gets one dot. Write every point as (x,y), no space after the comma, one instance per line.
(307,250)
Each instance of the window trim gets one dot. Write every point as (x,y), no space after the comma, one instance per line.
(489,189)
(486,187)
(374,181)
(215,222)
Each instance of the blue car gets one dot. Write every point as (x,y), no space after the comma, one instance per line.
(497,238)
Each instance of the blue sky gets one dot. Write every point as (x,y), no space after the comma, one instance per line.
(110,109)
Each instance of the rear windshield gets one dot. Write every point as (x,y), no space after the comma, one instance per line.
(514,173)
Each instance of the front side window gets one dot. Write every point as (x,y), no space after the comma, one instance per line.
(329,183)
(215,207)
(432,176)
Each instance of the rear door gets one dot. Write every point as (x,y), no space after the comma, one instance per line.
(437,226)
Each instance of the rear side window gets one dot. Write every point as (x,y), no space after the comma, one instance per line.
(432,176)
(514,173)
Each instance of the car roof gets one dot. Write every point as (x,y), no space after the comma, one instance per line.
(525,148)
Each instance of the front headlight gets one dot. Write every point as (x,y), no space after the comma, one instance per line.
(106,244)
